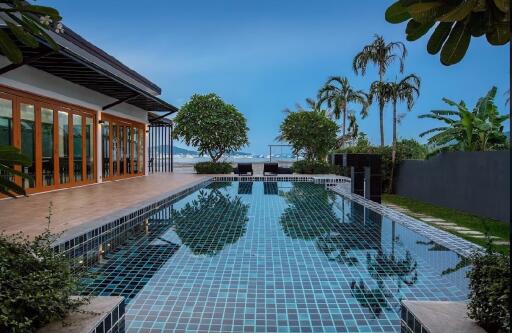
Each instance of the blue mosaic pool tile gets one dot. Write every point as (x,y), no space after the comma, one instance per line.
(272,257)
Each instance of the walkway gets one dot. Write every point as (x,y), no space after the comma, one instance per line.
(77,206)
(443,224)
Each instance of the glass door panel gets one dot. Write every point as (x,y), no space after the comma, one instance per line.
(128,150)
(6,130)
(135,150)
(28,142)
(6,122)
(89,148)
(121,150)
(105,143)
(77,148)
(115,149)
(141,151)
(47,137)
(63,141)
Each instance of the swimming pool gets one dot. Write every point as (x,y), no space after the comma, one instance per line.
(273,257)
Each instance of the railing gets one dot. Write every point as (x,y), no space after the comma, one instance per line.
(160,148)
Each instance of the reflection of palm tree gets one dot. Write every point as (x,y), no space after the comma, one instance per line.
(211,221)
(433,246)
(373,299)
(336,247)
(310,212)
(463,262)
(383,265)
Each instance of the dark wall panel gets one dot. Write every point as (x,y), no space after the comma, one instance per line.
(474,182)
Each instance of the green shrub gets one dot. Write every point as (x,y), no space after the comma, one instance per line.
(35,283)
(312,167)
(489,294)
(213,168)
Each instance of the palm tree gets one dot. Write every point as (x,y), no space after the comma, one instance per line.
(478,130)
(338,94)
(311,106)
(379,90)
(403,91)
(381,55)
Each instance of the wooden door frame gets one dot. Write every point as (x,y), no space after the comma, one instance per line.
(124,122)
(19,96)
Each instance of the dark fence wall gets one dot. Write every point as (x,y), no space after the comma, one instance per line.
(474,182)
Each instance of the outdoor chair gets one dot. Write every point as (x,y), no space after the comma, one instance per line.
(284,171)
(244,169)
(272,168)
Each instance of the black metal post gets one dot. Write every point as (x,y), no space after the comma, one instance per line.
(172,149)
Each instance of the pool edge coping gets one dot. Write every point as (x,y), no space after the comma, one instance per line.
(452,242)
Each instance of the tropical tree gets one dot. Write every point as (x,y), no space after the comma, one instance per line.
(457,21)
(310,133)
(478,130)
(379,90)
(337,93)
(212,126)
(404,90)
(382,55)
(353,128)
(10,157)
(27,24)
(311,105)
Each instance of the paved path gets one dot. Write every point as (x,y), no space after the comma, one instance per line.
(446,225)
(77,206)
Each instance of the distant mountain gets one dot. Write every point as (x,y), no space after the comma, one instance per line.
(184,151)
(241,153)
(176,150)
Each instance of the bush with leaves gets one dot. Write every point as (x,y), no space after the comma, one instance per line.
(310,133)
(479,129)
(489,295)
(29,25)
(313,167)
(213,168)
(9,158)
(212,126)
(35,283)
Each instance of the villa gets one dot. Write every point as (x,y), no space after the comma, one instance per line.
(348,236)
(79,113)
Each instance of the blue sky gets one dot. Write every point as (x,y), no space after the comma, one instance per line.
(266,55)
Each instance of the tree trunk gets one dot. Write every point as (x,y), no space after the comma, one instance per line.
(393,151)
(215,157)
(344,119)
(381,116)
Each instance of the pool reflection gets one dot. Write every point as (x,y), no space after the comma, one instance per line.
(211,221)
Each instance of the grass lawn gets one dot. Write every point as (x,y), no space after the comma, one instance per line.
(493,227)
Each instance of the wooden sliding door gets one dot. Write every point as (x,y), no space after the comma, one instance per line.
(58,137)
(122,147)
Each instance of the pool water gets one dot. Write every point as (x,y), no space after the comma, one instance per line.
(273,257)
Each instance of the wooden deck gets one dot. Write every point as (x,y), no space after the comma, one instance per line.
(77,206)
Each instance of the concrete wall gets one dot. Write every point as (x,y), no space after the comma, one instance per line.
(474,182)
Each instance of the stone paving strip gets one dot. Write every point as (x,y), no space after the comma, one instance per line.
(432,219)
(438,222)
